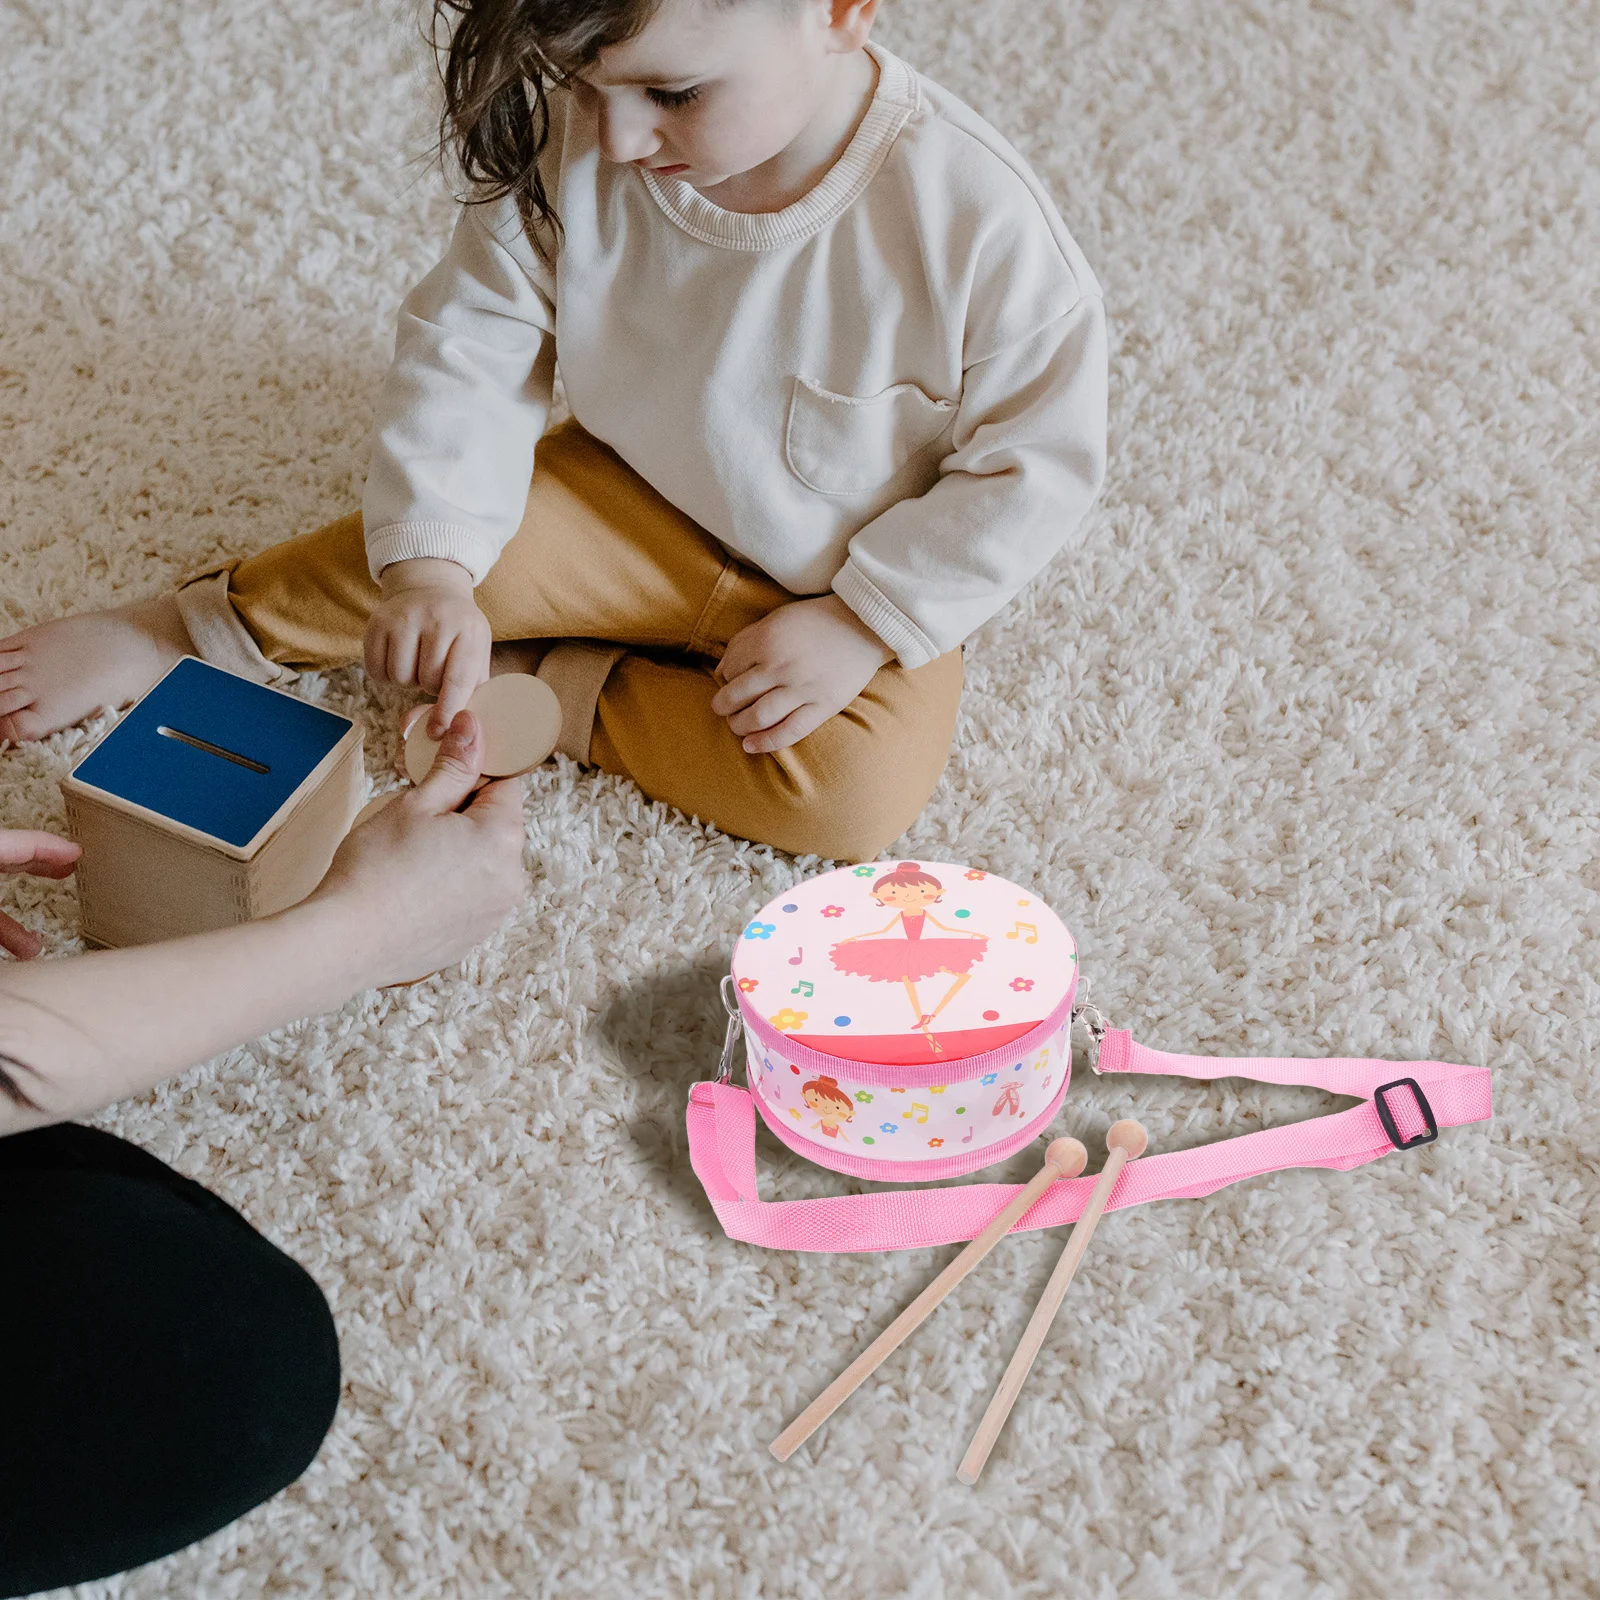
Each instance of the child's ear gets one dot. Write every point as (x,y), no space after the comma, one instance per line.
(849,22)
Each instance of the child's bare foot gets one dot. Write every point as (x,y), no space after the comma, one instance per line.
(57,673)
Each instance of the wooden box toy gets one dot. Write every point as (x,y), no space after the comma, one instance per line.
(214,801)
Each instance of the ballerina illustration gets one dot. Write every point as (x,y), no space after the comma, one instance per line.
(831,1104)
(912,958)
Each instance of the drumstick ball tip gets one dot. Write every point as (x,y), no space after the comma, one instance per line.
(1127,1135)
(1067,1156)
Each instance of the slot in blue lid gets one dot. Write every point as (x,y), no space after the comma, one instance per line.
(213,751)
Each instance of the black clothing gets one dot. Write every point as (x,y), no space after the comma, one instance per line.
(163,1368)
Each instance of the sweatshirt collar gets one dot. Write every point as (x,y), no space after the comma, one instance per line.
(894,100)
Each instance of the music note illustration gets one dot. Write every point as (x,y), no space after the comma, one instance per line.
(798,957)
(1032,934)
(912,1113)
(803,987)
(968,1139)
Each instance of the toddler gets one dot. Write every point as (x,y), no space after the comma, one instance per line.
(837,375)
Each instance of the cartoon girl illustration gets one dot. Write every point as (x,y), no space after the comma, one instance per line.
(912,959)
(831,1104)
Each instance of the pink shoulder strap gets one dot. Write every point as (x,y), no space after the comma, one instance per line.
(1404,1106)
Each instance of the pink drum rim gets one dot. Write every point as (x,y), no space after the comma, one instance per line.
(916,1171)
(956,1070)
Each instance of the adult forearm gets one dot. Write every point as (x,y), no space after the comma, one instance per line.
(88,1030)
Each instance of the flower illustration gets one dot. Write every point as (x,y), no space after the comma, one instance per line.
(761,930)
(1022,985)
(888,1127)
(788,1020)
(864,872)
(863,1098)
(833,911)
(987,1078)
(977,877)
(934,1144)
(746,985)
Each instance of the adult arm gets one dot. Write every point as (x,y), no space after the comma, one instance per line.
(411,890)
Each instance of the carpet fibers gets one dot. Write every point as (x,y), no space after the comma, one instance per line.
(1302,742)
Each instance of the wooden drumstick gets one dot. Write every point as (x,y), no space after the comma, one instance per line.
(1063,1158)
(1124,1140)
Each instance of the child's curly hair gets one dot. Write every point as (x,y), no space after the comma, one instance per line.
(498,58)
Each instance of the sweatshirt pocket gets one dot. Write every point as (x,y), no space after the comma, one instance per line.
(851,444)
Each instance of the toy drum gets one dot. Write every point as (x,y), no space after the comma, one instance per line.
(906,1021)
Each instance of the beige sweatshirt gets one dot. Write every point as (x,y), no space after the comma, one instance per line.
(894,388)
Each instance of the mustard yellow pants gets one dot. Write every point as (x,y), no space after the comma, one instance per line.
(644,602)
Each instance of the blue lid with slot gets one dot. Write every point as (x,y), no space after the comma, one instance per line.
(213,751)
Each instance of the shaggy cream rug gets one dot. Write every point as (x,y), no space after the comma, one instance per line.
(1302,743)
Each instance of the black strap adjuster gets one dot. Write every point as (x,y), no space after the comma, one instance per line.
(1386,1116)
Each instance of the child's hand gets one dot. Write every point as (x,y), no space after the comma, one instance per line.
(784,676)
(428,630)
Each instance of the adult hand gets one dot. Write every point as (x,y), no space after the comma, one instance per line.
(422,882)
(428,630)
(784,676)
(410,890)
(41,855)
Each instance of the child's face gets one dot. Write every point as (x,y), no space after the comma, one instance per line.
(755,73)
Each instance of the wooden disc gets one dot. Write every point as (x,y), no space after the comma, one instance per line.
(521,720)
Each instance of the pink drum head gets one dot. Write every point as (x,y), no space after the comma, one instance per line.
(904,963)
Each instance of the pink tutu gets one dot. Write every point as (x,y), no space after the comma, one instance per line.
(902,960)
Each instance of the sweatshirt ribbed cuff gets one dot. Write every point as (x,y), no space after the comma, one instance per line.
(888,621)
(439,541)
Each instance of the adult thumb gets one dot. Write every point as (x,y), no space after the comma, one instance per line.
(457,766)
